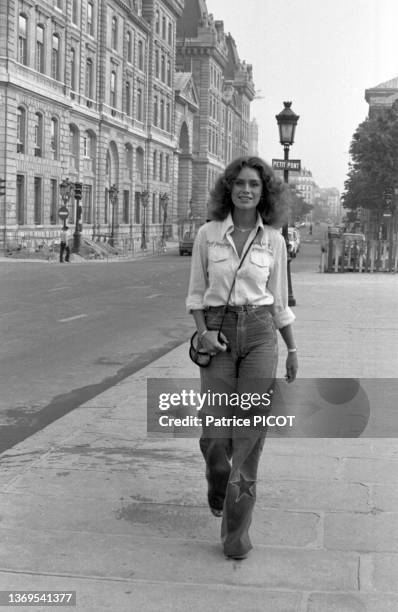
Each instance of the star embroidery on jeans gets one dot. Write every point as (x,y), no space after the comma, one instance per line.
(245,487)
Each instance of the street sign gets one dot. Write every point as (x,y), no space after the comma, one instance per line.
(63,212)
(287,164)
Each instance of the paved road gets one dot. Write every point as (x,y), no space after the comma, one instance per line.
(70,332)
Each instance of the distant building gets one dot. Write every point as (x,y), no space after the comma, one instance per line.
(253,137)
(381,96)
(304,184)
(225,89)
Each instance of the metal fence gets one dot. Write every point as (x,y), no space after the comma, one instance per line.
(369,256)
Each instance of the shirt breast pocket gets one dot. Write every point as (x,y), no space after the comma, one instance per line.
(260,259)
(218,254)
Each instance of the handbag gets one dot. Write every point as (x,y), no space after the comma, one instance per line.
(197,353)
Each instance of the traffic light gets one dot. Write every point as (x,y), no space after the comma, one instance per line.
(78,191)
(2,187)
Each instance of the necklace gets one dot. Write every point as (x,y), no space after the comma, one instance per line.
(243,229)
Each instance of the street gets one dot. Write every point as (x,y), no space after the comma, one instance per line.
(71,332)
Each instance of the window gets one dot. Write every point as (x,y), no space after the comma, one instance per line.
(137,207)
(87,145)
(114,33)
(155,111)
(73,69)
(163,69)
(139,105)
(154,168)
(157,65)
(58,4)
(170,34)
(38,201)
(55,57)
(87,203)
(40,48)
(20,199)
(162,114)
(161,167)
(74,145)
(113,89)
(21,129)
(157,22)
(169,73)
(90,18)
(54,201)
(54,138)
(129,46)
(167,169)
(164,28)
(127,102)
(38,135)
(89,78)
(139,159)
(22,39)
(126,206)
(154,208)
(140,55)
(75,11)
(168,117)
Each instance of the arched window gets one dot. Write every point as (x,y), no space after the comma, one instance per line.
(114,33)
(90,18)
(21,129)
(23,39)
(157,22)
(74,149)
(87,145)
(170,34)
(55,57)
(54,138)
(38,135)
(164,28)
(40,48)
(129,160)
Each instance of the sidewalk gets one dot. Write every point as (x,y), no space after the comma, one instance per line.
(92,504)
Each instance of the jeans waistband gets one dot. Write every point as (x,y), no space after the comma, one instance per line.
(243,308)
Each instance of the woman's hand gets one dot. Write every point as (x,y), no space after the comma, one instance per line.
(291,367)
(211,343)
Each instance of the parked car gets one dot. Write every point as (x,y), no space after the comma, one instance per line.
(335,232)
(294,241)
(186,243)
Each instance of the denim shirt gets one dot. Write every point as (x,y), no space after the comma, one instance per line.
(262,279)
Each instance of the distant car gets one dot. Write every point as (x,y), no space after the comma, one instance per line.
(186,243)
(294,241)
(335,232)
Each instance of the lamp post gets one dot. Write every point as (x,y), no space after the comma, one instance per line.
(66,188)
(164,202)
(144,203)
(113,193)
(287,121)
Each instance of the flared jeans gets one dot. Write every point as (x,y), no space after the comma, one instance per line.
(239,386)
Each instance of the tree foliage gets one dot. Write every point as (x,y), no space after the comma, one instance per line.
(298,207)
(374,166)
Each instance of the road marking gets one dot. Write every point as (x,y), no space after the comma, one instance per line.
(148,297)
(58,288)
(81,316)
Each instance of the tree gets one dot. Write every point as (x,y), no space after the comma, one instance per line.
(374,167)
(298,207)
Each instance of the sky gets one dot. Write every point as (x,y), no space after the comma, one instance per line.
(322,55)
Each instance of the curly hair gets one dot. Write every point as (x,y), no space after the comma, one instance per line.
(273,205)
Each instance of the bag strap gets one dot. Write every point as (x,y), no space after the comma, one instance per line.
(234,279)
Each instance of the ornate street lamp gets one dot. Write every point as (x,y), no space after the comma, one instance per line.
(287,121)
(66,189)
(164,202)
(113,193)
(144,203)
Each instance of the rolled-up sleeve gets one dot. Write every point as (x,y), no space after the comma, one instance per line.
(198,282)
(277,284)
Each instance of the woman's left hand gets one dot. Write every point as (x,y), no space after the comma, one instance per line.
(291,367)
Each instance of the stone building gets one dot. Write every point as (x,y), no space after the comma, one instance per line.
(87,93)
(225,89)
(381,96)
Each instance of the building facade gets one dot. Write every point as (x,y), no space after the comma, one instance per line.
(225,89)
(87,93)
(114,95)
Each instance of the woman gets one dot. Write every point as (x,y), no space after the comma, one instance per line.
(245,205)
